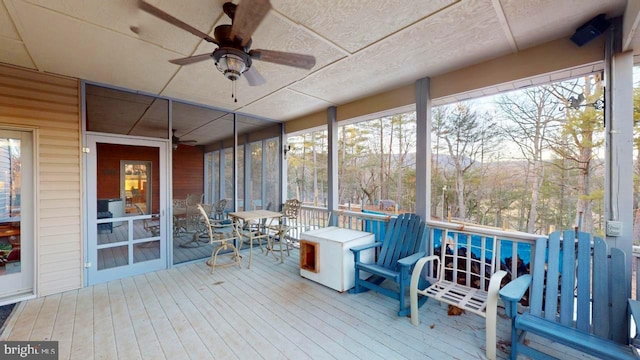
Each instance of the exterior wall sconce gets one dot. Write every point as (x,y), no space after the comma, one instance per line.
(576,103)
(286,149)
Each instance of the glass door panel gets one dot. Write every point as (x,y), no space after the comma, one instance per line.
(16,213)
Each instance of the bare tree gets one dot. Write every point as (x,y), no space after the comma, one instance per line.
(465,134)
(528,117)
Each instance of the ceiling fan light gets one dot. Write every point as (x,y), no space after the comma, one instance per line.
(232,66)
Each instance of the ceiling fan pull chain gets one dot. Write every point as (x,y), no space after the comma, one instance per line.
(233,91)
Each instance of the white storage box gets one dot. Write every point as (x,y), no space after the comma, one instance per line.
(326,258)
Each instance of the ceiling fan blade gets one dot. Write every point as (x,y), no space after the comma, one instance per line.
(187,142)
(253,77)
(249,14)
(191,59)
(284,58)
(145,6)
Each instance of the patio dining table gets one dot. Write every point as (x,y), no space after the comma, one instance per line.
(263,219)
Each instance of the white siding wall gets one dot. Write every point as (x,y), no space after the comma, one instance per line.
(51,104)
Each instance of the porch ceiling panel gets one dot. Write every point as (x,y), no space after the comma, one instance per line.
(201,13)
(189,120)
(7,28)
(126,113)
(154,121)
(76,48)
(295,104)
(348,23)
(530,26)
(13,49)
(14,52)
(429,47)
(220,128)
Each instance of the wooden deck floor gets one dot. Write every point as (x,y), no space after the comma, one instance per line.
(266,312)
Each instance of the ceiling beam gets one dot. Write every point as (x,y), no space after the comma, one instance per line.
(504,24)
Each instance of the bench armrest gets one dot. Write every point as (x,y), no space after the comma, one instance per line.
(411,259)
(513,292)
(634,309)
(357,249)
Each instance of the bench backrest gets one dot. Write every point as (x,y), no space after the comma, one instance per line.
(377,227)
(466,259)
(403,237)
(585,288)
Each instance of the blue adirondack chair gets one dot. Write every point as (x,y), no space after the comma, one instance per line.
(398,252)
(578,298)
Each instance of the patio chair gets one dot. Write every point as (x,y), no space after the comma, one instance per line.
(218,209)
(288,222)
(398,252)
(194,199)
(193,224)
(150,226)
(222,233)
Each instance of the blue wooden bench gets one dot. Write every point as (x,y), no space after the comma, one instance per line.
(565,306)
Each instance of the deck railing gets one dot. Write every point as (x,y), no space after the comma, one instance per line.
(513,253)
(514,249)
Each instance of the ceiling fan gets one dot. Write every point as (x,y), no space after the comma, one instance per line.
(234,55)
(175,141)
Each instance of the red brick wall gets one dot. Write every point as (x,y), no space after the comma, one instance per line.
(188,171)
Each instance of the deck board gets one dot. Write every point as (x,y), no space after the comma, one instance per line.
(183,295)
(82,340)
(64,325)
(142,327)
(126,343)
(186,334)
(169,341)
(266,312)
(43,327)
(104,340)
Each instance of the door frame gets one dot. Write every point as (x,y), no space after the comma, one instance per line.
(28,218)
(91,274)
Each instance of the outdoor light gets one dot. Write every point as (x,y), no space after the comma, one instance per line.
(577,102)
(232,63)
(232,66)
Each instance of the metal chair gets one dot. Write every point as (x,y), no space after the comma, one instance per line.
(288,222)
(222,233)
(149,225)
(218,209)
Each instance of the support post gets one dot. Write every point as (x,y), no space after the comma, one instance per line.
(423,149)
(619,147)
(332,162)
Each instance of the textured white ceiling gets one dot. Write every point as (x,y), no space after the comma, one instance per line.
(362,47)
